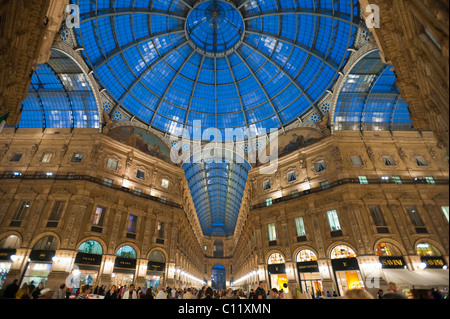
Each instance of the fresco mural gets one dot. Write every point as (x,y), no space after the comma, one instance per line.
(141,140)
(296,139)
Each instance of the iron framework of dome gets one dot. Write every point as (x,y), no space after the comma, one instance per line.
(229,64)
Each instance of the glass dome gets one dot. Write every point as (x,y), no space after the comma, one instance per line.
(179,64)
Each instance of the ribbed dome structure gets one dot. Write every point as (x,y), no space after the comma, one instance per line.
(227,64)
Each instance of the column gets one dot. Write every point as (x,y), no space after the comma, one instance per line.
(19,262)
(106,270)
(326,271)
(61,268)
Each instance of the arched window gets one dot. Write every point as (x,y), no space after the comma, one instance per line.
(388,249)
(157,256)
(126,252)
(427,250)
(342,251)
(306,255)
(46,243)
(276,258)
(91,247)
(10,242)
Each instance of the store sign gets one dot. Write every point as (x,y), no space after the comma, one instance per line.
(277,269)
(433,262)
(155,266)
(392,262)
(5,254)
(345,264)
(42,255)
(308,266)
(125,263)
(88,259)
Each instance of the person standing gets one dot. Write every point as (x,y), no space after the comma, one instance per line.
(274,293)
(130,293)
(394,292)
(380,294)
(61,293)
(260,290)
(112,293)
(11,290)
(37,291)
(160,293)
(23,291)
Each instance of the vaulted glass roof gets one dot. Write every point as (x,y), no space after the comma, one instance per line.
(370,99)
(59,97)
(228,64)
(217,187)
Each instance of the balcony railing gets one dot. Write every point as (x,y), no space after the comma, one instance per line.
(90,179)
(350,181)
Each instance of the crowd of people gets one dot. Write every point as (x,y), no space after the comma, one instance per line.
(30,291)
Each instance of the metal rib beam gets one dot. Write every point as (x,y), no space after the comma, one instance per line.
(170,85)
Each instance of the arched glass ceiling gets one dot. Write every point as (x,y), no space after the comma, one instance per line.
(217,187)
(146,54)
(370,99)
(59,97)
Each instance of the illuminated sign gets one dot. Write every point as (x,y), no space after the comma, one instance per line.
(308,266)
(389,262)
(433,262)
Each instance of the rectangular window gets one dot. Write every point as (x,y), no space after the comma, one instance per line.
(300,226)
(420,161)
(291,177)
(385,179)
(161,229)
(140,174)
(47,158)
(132,224)
(356,160)
(266,185)
(414,216)
(320,166)
(268,201)
(77,158)
(107,182)
(295,194)
(137,191)
(325,185)
(112,164)
(430,180)
(445,211)
(57,211)
(16,157)
(272,232)
(363,180)
(99,216)
(397,179)
(165,183)
(377,216)
(23,208)
(388,161)
(333,220)
(163,199)
(71,175)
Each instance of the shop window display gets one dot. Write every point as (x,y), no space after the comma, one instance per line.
(155,269)
(308,272)
(346,269)
(277,272)
(8,247)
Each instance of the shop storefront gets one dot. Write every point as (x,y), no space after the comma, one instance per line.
(5,264)
(124,267)
(40,261)
(346,269)
(308,272)
(8,248)
(87,265)
(156,268)
(277,272)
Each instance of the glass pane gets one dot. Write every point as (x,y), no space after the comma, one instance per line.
(272,232)
(299,224)
(333,220)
